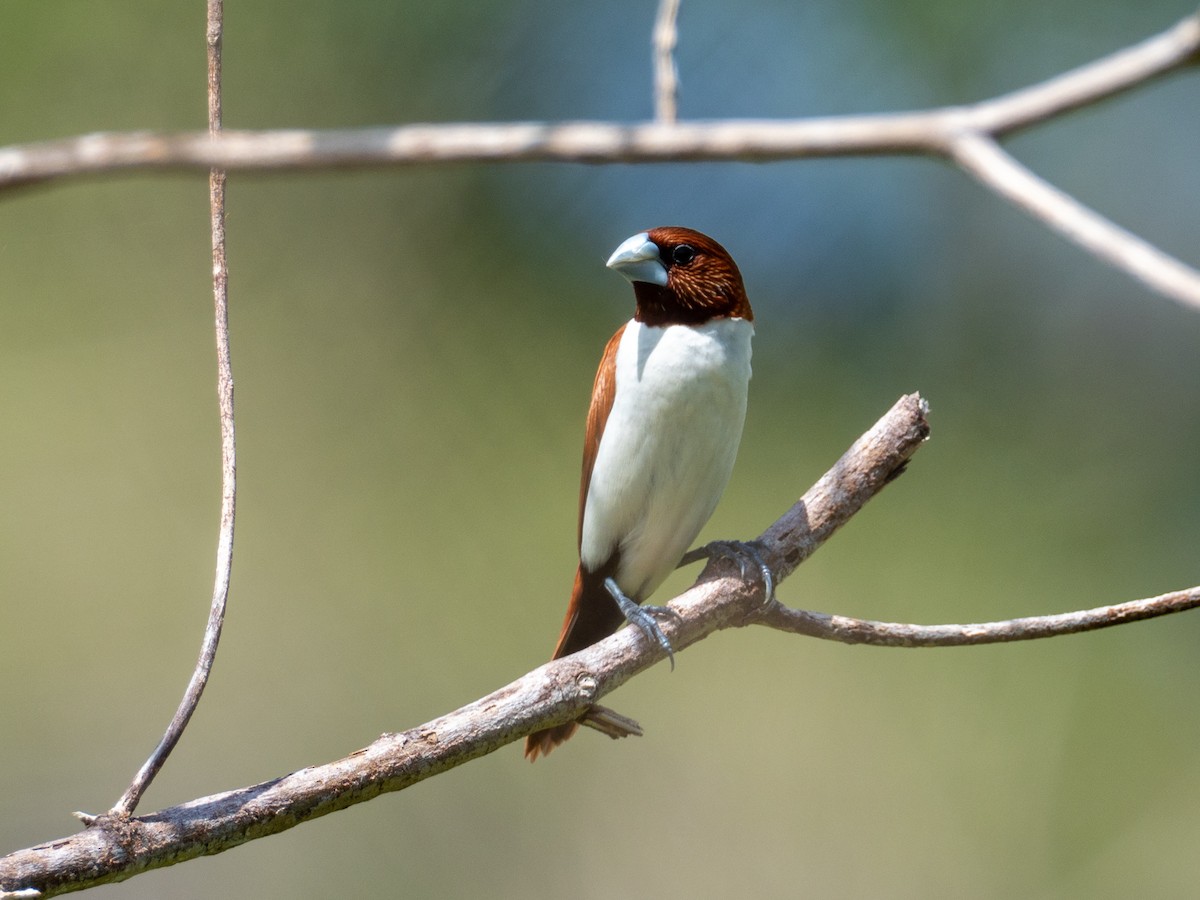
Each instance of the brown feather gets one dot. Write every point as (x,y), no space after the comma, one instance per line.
(708,286)
(604,392)
(540,743)
(592,614)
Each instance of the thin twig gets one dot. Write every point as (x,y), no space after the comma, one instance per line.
(666,74)
(216,615)
(849,630)
(964,135)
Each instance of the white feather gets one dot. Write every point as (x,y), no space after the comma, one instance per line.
(668,446)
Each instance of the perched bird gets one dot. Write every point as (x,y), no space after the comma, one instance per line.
(663,429)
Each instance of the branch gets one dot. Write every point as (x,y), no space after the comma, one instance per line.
(964,135)
(216,616)
(982,157)
(116,847)
(893,634)
(751,140)
(666,76)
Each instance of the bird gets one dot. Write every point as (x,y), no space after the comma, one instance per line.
(663,428)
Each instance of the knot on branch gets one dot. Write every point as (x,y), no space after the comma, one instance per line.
(587,684)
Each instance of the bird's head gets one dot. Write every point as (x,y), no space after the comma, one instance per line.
(681,277)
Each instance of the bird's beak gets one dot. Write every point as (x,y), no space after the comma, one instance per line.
(638,260)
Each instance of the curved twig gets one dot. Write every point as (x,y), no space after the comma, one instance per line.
(849,630)
(216,616)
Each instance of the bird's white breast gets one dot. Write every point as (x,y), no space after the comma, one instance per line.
(668,446)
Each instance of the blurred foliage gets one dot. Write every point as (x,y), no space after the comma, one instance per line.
(413,351)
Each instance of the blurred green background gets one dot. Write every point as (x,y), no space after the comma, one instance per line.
(413,352)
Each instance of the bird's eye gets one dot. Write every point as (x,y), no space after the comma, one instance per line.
(683,254)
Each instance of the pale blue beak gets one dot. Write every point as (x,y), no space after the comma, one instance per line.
(638,260)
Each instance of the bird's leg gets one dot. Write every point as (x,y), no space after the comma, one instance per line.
(643,617)
(740,552)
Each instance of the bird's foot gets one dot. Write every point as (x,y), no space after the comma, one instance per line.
(642,617)
(743,553)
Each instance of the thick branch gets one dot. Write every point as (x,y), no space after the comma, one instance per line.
(117,847)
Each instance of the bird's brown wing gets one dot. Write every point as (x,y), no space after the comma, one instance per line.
(604,391)
(591,614)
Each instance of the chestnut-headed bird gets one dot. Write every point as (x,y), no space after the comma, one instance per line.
(663,429)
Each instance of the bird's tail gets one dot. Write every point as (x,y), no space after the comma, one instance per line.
(540,743)
(592,615)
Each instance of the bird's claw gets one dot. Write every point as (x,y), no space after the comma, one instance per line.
(662,612)
(740,552)
(642,617)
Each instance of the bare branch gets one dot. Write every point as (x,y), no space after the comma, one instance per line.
(749,140)
(117,847)
(927,132)
(1114,74)
(892,634)
(991,166)
(216,616)
(964,135)
(666,75)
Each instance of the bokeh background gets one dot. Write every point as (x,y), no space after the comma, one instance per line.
(413,352)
